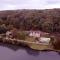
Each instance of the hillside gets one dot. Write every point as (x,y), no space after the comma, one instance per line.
(46,20)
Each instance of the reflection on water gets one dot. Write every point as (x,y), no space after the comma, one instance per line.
(12,52)
(32,52)
(15,48)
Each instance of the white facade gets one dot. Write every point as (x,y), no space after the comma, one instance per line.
(44,40)
(8,33)
(34,34)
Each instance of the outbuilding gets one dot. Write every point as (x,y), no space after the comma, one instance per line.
(44,40)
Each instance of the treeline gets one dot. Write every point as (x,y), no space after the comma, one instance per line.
(46,20)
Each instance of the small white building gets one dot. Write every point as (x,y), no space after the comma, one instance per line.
(8,34)
(44,40)
(34,34)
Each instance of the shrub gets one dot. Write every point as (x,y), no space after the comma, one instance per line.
(19,35)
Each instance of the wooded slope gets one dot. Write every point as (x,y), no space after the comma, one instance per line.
(46,20)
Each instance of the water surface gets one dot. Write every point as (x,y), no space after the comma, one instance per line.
(11,52)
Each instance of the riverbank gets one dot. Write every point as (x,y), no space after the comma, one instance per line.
(33,45)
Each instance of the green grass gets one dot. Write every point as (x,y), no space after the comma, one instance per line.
(39,46)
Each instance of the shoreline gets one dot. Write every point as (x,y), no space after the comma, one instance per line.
(16,42)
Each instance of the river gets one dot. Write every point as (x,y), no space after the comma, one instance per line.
(12,52)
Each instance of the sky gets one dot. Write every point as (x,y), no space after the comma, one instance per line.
(29,4)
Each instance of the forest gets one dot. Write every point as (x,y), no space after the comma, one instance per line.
(47,20)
